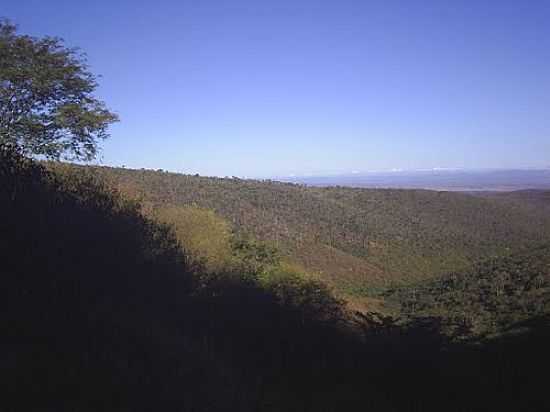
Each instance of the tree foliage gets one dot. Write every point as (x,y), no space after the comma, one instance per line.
(487,299)
(47,103)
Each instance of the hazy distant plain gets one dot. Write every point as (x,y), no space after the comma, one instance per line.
(451,180)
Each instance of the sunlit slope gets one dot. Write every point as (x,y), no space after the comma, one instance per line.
(486,299)
(377,236)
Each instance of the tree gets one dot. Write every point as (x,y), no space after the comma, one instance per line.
(47,106)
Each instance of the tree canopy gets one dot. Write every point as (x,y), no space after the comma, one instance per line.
(47,102)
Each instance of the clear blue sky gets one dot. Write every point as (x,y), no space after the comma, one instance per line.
(259,88)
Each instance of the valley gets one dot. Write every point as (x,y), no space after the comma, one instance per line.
(356,240)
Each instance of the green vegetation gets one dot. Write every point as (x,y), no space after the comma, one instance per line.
(487,299)
(356,240)
(87,276)
(104,310)
(47,106)
(536,200)
(205,237)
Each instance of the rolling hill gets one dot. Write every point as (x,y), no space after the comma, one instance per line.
(354,239)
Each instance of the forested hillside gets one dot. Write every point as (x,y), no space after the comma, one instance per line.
(355,239)
(103,310)
(537,200)
(487,299)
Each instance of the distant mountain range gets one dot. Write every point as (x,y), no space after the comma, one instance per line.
(435,179)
